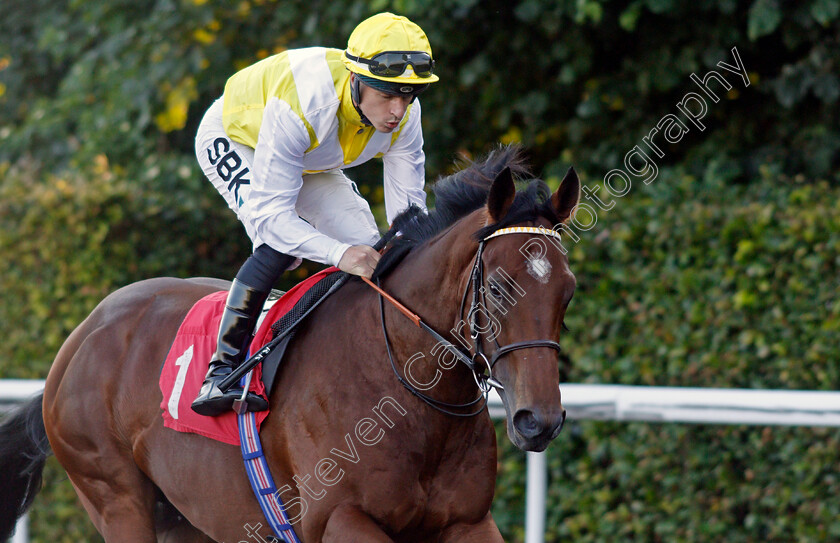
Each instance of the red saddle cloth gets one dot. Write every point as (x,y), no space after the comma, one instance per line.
(188,359)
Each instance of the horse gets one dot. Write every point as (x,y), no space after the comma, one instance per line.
(364,454)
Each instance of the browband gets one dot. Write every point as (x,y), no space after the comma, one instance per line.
(524,230)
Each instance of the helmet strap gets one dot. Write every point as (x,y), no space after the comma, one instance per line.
(356,97)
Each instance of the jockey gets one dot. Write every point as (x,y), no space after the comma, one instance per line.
(274,145)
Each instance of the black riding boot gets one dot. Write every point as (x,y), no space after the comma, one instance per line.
(242,310)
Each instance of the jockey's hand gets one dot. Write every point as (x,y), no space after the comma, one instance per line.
(359,260)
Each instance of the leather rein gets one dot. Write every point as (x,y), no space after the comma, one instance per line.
(478,362)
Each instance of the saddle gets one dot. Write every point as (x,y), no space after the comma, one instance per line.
(183,370)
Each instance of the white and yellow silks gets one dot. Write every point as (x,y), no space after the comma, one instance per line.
(295,110)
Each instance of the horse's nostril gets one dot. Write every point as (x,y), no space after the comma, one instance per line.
(559,426)
(527,423)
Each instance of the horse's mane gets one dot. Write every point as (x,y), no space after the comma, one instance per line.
(461,193)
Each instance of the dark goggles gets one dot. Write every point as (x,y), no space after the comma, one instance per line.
(394,63)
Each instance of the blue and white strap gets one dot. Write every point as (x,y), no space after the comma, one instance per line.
(258,473)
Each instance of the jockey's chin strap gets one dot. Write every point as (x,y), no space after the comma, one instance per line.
(477,362)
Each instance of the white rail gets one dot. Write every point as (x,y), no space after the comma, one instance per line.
(618,403)
(13,391)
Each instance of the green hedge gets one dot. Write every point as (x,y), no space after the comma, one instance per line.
(685,283)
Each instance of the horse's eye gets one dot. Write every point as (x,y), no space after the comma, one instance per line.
(494,290)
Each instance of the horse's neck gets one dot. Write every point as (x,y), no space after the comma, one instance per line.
(431,282)
(432,279)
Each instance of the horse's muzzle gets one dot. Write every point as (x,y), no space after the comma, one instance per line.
(536,428)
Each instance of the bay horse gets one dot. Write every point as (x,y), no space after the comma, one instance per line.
(414,473)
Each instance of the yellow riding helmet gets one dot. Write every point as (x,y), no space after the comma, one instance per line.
(390,48)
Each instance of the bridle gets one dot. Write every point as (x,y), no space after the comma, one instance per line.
(478,362)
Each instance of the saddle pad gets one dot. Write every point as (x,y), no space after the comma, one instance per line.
(188,359)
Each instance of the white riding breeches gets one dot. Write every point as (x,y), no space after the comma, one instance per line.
(329,201)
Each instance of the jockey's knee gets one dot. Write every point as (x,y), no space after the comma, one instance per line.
(264,267)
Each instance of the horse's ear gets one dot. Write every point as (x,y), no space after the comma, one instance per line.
(567,195)
(502,193)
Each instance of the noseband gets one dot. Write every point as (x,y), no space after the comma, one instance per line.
(479,364)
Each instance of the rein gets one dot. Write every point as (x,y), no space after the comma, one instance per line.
(478,363)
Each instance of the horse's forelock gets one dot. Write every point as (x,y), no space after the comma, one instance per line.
(529,205)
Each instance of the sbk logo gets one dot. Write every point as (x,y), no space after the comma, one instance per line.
(229,166)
